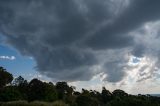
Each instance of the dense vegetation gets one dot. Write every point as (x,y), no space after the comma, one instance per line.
(20,92)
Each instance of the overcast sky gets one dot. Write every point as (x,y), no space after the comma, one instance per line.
(89,43)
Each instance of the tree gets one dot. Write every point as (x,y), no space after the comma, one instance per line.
(119,93)
(62,88)
(22,86)
(10,93)
(35,90)
(42,91)
(85,92)
(50,93)
(5,77)
(106,95)
(19,80)
(86,100)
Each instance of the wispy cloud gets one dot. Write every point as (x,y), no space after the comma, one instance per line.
(7,57)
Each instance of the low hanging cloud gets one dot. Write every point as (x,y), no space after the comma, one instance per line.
(78,39)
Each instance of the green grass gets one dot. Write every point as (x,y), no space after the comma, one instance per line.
(35,103)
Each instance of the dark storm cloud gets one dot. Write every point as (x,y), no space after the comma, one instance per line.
(139,50)
(48,31)
(64,36)
(115,69)
(113,35)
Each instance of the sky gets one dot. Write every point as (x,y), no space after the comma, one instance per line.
(88,43)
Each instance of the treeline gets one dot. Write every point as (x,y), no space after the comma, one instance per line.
(36,90)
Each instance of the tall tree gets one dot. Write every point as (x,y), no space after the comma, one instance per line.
(62,88)
(22,86)
(5,77)
(35,90)
(50,93)
(19,80)
(106,95)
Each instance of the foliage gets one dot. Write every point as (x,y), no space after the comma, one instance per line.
(38,90)
(106,95)
(5,77)
(10,93)
(50,93)
(39,93)
(22,86)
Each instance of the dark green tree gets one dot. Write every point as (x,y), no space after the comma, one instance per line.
(50,93)
(10,93)
(42,91)
(62,88)
(5,77)
(106,95)
(35,90)
(86,100)
(119,93)
(22,86)
(19,80)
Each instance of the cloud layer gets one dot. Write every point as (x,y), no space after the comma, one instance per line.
(78,39)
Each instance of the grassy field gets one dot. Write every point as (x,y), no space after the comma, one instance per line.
(36,103)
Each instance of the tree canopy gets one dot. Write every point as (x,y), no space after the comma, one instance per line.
(5,77)
(37,90)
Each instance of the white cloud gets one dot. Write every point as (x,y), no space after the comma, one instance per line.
(7,57)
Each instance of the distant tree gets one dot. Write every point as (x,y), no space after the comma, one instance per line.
(50,93)
(76,93)
(65,92)
(86,100)
(19,80)
(119,93)
(95,94)
(5,77)
(70,98)
(35,90)
(42,91)
(106,95)
(10,93)
(85,92)
(62,88)
(22,86)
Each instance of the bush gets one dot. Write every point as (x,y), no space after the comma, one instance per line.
(10,93)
